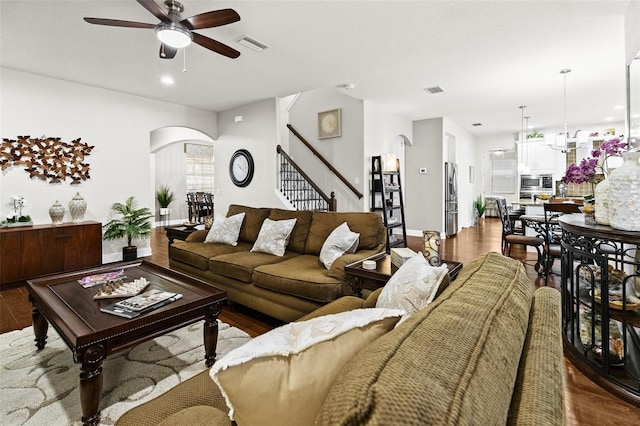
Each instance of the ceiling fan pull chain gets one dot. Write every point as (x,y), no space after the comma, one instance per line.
(184,60)
(162,50)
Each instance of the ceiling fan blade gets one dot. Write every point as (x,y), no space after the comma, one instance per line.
(118,23)
(156,10)
(167,52)
(211,19)
(215,46)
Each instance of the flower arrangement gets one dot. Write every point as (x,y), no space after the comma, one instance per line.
(588,168)
(17,203)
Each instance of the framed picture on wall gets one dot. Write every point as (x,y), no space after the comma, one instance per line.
(330,124)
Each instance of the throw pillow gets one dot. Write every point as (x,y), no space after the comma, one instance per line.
(412,287)
(283,376)
(274,236)
(225,230)
(340,241)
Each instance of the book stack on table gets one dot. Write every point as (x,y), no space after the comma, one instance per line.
(140,304)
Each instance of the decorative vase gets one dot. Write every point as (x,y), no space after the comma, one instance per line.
(431,248)
(602,202)
(56,212)
(624,194)
(77,208)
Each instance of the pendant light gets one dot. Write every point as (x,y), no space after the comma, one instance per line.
(523,167)
(560,142)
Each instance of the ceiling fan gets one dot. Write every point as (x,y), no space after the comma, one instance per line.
(174,32)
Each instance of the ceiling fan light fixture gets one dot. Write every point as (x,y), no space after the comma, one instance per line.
(174,35)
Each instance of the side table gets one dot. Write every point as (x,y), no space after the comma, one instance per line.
(180,232)
(372,279)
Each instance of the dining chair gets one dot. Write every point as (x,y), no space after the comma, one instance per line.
(509,237)
(192,204)
(553,233)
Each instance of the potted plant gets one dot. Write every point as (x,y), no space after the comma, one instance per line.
(130,222)
(17,218)
(479,207)
(165,196)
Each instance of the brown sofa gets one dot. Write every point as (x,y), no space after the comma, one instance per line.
(487,351)
(286,287)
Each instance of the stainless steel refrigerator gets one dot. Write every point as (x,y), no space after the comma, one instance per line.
(450,199)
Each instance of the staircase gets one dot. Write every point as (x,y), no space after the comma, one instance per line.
(299,189)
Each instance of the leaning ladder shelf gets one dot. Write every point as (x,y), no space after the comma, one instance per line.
(386,198)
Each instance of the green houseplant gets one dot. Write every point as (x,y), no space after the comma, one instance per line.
(479,207)
(165,196)
(130,222)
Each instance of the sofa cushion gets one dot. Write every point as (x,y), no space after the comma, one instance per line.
(240,265)
(302,276)
(225,230)
(368,225)
(199,390)
(298,237)
(198,254)
(274,236)
(252,221)
(198,415)
(283,376)
(454,362)
(412,287)
(340,241)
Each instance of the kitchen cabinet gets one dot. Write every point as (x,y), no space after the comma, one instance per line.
(32,251)
(539,156)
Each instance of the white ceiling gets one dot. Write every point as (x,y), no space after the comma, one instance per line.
(488,56)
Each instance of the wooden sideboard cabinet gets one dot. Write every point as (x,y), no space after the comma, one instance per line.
(32,251)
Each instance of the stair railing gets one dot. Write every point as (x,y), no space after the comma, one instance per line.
(324,161)
(299,189)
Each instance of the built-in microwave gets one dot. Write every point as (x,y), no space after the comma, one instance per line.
(535,184)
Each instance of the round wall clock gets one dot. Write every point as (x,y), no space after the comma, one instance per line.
(241,168)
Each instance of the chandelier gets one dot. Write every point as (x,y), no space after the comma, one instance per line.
(560,142)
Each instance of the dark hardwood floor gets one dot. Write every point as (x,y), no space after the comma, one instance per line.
(586,403)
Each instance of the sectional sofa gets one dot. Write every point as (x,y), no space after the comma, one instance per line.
(284,287)
(487,351)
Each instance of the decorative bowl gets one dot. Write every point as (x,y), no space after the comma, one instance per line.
(190,225)
(544,197)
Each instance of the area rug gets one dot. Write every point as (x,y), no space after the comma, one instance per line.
(42,387)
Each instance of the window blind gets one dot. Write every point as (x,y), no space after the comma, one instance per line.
(503,173)
(200,167)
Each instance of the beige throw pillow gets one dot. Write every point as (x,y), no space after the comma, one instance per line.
(225,230)
(274,236)
(341,240)
(412,287)
(282,377)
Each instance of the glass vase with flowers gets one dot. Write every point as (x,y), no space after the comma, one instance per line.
(594,170)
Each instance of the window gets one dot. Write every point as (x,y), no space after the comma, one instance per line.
(199,167)
(503,172)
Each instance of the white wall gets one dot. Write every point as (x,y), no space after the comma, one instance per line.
(257,133)
(383,133)
(345,153)
(424,201)
(117,124)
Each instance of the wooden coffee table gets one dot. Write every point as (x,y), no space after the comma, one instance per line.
(372,279)
(92,335)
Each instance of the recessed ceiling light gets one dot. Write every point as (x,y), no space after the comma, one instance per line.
(434,89)
(608,119)
(167,80)
(618,107)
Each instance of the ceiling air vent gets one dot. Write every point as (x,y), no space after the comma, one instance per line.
(434,89)
(477,124)
(253,44)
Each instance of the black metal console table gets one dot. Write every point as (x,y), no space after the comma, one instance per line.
(602,339)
